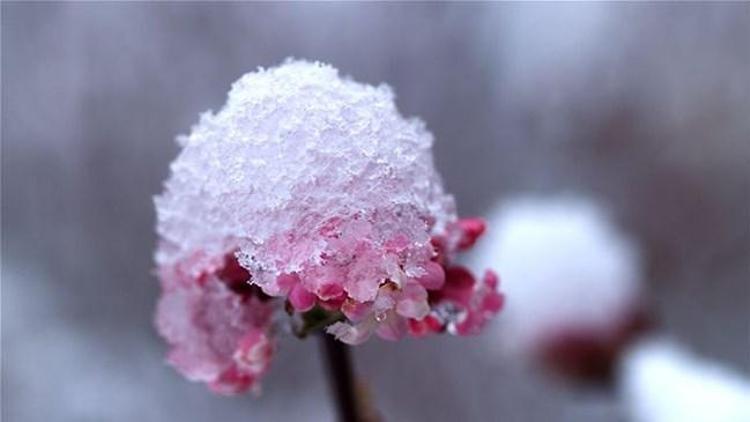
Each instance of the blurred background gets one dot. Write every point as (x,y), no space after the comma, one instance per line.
(645,107)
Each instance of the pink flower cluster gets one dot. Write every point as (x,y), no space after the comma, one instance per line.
(221,327)
(443,298)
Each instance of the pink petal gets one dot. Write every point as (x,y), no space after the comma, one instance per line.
(351,334)
(355,311)
(286,282)
(412,302)
(392,328)
(254,352)
(330,291)
(301,299)
(434,277)
(231,382)
(426,326)
(471,229)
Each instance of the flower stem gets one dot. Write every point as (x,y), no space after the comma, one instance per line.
(341,378)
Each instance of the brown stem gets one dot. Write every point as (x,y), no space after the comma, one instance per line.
(341,378)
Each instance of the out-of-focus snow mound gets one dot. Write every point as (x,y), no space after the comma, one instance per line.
(563,265)
(663,383)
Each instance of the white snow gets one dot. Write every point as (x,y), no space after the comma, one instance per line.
(294,148)
(662,382)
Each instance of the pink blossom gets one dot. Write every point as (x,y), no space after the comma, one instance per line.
(455,302)
(471,229)
(310,192)
(218,327)
(466,304)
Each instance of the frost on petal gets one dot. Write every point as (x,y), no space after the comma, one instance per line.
(352,334)
(412,302)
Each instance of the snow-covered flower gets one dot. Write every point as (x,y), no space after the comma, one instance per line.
(662,382)
(312,190)
(573,279)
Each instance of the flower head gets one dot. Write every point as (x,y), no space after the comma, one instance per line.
(308,189)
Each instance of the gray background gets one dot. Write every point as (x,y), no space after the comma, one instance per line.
(643,106)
